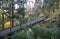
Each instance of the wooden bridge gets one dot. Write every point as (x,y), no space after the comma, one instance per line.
(12,29)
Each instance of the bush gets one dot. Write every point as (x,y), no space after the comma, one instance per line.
(37,32)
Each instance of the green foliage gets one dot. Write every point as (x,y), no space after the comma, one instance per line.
(6,37)
(45,33)
(20,35)
(21,11)
(37,33)
(23,35)
(48,3)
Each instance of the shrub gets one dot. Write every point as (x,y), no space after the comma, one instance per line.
(37,32)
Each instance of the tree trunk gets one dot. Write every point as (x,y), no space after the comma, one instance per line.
(59,20)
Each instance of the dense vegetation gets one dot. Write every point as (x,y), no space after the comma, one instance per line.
(47,29)
(37,32)
(9,16)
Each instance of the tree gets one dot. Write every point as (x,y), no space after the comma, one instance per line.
(21,11)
